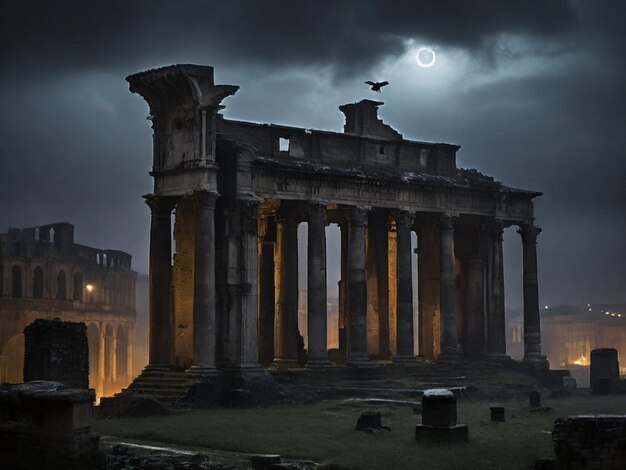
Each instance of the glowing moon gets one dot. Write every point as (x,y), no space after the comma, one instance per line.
(427,64)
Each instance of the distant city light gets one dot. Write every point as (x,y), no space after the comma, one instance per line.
(546,307)
(89,288)
(588,305)
(590,310)
(612,314)
(619,314)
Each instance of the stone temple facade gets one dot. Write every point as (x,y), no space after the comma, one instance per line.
(227,298)
(45,274)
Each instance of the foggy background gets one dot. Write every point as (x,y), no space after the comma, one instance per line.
(533,91)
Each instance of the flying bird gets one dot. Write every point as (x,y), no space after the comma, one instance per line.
(376,86)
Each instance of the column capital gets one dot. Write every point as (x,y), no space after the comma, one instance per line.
(316,209)
(205,199)
(446,222)
(358,216)
(529,233)
(402,218)
(160,205)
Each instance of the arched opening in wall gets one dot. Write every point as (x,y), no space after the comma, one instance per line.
(513,292)
(37,234)
(78,286)
(16,282)
(51,235)
(303,330)
(104,260)
(109,369)
(38,283)
(98,259)
(122,345)
(93,340)
(12,355)
(61,286)
(333,276)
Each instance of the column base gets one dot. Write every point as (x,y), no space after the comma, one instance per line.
(537,361)
(203,371)
(318,364)
(359,360)
(404,360)
(158,368)
(280,363)
(449,358)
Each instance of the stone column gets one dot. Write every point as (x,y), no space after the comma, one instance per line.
(267,303)
(357,290)
(130,339)
(496,327)
(248,356)
(532,328)
(343,292)
(404,281)
(161,327)
(286,261)
(449,336)
(203,362)
(113,357)
(316,288)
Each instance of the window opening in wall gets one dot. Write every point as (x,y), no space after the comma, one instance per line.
(16,280)
(98,260)
(61,286)
(283,145)
(381,150)
(38,283)
(37,234)
(78,286)
(51,236)
(104,260)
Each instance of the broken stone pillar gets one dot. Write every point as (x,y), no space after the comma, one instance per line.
(604,371)
(161,327)
(57,351)
(449,333)
(404,313)
(204,338)
(439,418)
(532,326)
(316,288)
(286,261)
(357,290)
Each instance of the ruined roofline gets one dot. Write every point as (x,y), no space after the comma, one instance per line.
(104,250)
(168,71)
(305,130)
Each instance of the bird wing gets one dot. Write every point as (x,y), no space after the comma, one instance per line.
(370,83)
(383,84)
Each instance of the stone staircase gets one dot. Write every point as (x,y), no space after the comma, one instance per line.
(165,385)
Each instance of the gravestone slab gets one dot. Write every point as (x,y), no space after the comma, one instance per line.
(604,371)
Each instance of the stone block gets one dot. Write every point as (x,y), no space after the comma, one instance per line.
(534,399)
(439,408)
(497,413)
(369,419)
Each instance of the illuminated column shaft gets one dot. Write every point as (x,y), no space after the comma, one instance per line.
(357,290)
(404,280)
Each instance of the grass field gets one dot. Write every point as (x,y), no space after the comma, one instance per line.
(324,432)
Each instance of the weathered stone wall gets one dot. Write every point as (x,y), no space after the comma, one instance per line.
(590,442)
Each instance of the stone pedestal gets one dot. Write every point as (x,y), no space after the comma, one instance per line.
(439,420)
(534,399)
(497,413)
(604,371)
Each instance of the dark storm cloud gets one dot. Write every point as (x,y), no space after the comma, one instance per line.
(76,146)
(44,36)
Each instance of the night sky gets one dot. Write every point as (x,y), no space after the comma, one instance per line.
(533,91)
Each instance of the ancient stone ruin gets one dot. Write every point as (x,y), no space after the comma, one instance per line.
(57,351)
(226,301)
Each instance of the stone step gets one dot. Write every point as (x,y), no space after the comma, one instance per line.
(167,383)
